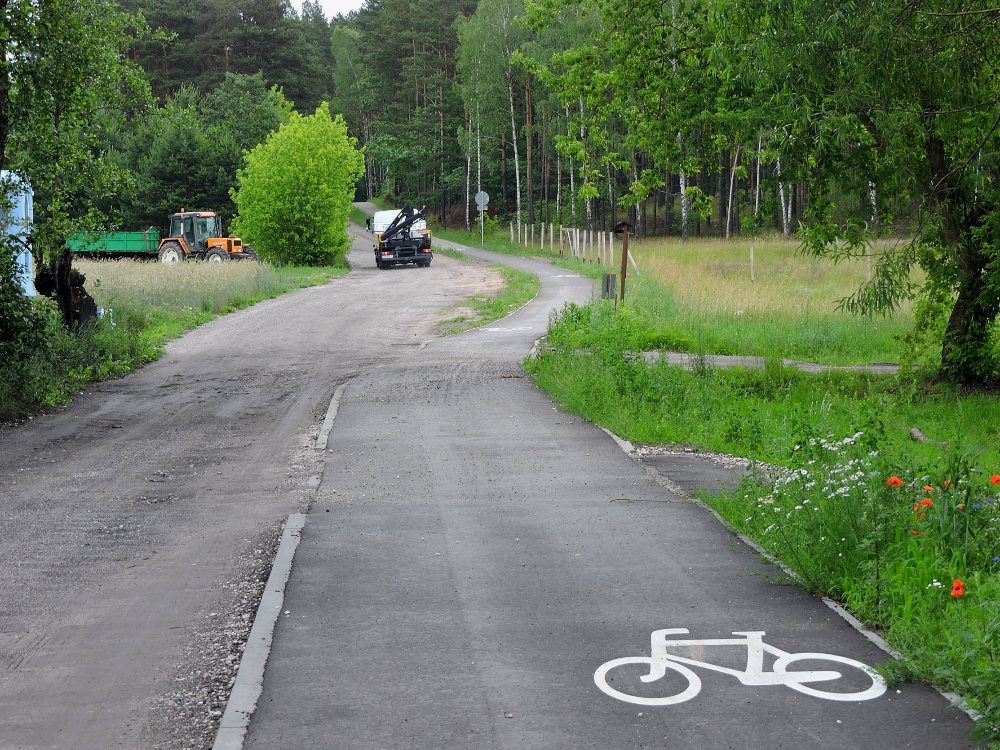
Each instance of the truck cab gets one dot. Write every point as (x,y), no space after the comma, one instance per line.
(401,236)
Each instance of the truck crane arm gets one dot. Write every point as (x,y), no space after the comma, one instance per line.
(403,221)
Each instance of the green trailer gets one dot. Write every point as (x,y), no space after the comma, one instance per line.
(117,243)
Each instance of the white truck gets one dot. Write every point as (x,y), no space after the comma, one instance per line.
(401,237)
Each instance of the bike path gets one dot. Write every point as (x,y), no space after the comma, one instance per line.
(475,555)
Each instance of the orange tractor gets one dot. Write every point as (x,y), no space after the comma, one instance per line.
(197,235)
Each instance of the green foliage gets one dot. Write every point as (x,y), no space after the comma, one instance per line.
(21,327)
(50,124)
(876,111)
(294,196)
(186,153)
(199,45)
(822,505)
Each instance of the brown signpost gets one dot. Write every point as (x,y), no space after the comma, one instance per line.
(623,229)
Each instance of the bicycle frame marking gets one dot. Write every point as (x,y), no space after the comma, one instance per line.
(659,661)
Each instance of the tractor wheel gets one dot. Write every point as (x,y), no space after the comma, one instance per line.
(171,253)
(251,253)
(215,255)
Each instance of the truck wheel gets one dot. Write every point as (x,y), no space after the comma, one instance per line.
(215,255)
(171,253)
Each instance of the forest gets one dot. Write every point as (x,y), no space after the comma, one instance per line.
(868,131)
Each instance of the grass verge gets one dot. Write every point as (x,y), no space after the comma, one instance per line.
(146,304)
(519,288)
(894,553)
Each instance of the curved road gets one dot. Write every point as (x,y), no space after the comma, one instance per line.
(474,555)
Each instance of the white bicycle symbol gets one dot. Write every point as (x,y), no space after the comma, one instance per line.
(660,661)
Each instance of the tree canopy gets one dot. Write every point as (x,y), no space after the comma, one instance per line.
(294,195)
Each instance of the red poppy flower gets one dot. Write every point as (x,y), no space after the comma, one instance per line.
(913,531)
(928,488)
(961,507)
(895,481)
(995,479)
(957,588)
(928,502)
(916,506)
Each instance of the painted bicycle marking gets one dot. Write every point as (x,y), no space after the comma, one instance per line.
(659,661)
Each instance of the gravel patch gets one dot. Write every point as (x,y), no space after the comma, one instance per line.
(187,718)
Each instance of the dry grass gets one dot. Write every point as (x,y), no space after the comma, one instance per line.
(713,276)
(205,286)
(199,286)
(790,308)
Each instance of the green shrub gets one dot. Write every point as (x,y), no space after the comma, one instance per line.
(294,196)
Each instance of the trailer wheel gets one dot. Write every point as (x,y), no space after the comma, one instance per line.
(171,253)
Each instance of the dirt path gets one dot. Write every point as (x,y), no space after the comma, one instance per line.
(135,523)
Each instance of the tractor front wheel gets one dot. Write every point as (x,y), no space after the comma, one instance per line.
(251,253)
(171,252)
(215,255)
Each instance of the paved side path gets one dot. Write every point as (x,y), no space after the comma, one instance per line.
(474,555)
(722,361)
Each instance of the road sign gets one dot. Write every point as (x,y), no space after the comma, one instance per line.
(482,200)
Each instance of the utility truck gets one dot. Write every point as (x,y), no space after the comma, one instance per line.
(401,237)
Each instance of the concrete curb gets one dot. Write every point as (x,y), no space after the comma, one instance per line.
(954,699)
(250,676)
(331,414)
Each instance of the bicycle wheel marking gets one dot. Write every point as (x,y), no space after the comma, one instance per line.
(693,688)
(661,661)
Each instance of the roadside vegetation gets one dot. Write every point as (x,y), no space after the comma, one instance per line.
(893,553)
(519,288)
(143,305)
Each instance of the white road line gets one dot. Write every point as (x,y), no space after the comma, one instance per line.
(250,677)
(331,414)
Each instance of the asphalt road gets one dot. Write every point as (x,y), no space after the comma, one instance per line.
(132,520)
(474,555)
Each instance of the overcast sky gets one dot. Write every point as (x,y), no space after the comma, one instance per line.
(333,7)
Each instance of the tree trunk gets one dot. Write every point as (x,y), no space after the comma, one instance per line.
(503,170)
(444,192)
(668,202)
(572,183)
(684,206)
(529,122)
(468,168)
(586,179)
(732,187)
(513,133)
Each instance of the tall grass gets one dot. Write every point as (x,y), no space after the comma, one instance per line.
(210,287)
(703,287)
(789,309)
(891,557)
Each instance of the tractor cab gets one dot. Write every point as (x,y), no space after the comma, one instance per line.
(196,228)
(198,235)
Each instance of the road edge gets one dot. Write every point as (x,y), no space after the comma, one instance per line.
(250,676)
(953,699)
(331,414)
